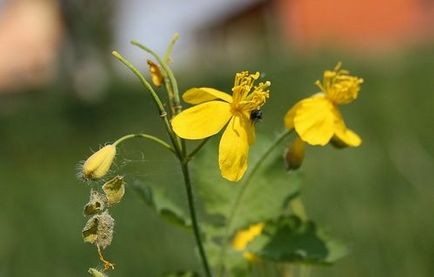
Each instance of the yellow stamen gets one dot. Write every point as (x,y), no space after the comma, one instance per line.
(339,86)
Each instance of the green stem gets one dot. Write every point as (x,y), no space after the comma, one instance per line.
(169,50)
(142,80)
(163,114)
(197,149)
(196,230)
(240,195)
(146,136)
(169,73)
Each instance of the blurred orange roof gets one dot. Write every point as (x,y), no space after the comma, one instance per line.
(357,23)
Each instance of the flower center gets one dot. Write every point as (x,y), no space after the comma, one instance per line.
(339,86)
(246,96)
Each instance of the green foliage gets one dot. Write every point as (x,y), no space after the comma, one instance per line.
(182,274)
(255,199)
(163,205)
(289,239)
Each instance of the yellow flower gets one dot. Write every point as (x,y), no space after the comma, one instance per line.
(243,237)
(317,120)
(215,109)
(97,165)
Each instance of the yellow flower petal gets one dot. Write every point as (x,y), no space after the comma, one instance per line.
(346,137)
(289,117)
(234,148)
(243,237)
(315,120)
(343,136)
(202,121)
(200,95)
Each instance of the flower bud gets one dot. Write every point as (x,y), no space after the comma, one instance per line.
(294,155)
(97,165)
(156,75)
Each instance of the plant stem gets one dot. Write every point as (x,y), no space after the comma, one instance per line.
(169,74)
(163,113)
(188,187)
(197,149)
(240,195)
(146,136)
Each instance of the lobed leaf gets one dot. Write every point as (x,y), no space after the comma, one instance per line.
(289,239)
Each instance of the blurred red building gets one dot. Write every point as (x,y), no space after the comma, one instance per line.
(353,25)
(356,23)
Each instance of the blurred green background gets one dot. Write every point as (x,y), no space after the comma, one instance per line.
(378,198)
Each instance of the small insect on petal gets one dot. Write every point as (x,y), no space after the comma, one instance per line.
(114,190)
(256,115)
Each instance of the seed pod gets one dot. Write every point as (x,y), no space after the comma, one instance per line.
(97,165)
(99,229)
(97,203)
(114,190)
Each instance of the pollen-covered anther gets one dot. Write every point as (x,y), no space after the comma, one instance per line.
(97,203)
(339,86)
(245,79)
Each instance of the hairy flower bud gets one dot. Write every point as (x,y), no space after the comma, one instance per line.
(97,165)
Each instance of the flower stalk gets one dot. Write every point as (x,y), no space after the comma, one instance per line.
(178,144)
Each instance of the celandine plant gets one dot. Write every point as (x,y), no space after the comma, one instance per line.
(257,223)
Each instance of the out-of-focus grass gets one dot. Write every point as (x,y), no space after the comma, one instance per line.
(378,198)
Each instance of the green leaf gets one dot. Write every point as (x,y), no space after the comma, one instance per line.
(182,274)
(232,206)
(264,197)
(162,204)
(289,239)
